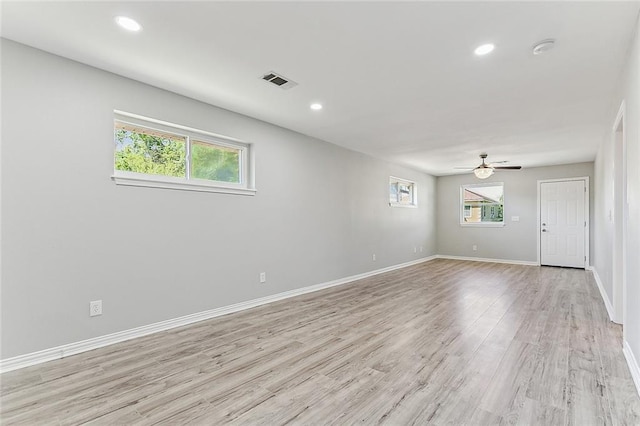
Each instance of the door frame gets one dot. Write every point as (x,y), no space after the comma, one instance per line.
(620,219)
(587,261)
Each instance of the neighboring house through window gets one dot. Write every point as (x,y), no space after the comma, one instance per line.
(402,193)
(482,204)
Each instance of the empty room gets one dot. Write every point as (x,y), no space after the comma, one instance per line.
(313,213)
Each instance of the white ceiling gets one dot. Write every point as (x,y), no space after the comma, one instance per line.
(398,80)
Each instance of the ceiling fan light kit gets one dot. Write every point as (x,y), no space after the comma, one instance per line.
(483,172)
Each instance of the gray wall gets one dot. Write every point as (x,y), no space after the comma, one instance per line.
(629,91)
(514,241)
(70,235)
(603,226)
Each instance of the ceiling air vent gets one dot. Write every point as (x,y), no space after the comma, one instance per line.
(279,80)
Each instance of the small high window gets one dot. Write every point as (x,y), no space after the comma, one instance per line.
(482,204)
(402,193)
(158,154)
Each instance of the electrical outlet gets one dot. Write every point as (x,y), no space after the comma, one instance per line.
(95,308)
(374,257)
(263,277)
(415,249)
(421,248)
(475,247)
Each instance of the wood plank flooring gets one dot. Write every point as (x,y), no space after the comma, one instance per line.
(443,342)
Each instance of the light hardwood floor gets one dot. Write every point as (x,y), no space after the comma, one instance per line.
(444,342)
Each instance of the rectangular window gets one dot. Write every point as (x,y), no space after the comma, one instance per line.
(482,204)
(162,155)
(402,193)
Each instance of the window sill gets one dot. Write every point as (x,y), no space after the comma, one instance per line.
(176,183)
(483,225)
(406,206)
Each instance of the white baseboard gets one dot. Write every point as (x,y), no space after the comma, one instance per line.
(603,294)
(482,259)
(58,352)
(633,364)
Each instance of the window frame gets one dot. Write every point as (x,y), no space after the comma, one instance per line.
(246,185)
(414,192)
(480,224)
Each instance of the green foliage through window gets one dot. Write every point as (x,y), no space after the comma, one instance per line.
(148,151)
(215,162)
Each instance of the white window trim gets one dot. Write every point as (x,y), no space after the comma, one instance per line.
(414,188)
(245,187)
(481,224)
(168,182)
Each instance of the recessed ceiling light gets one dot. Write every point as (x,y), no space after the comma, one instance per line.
(484,49)
(543,46)
(128,23)
(316,107)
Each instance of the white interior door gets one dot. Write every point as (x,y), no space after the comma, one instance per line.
(562,223)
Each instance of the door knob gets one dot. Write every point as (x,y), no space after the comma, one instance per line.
(544,230)
(544,224)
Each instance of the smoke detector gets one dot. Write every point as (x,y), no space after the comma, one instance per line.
(279,80)
(543,46)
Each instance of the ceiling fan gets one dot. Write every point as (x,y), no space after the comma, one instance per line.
(485,170)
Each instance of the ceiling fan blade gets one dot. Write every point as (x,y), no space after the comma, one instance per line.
(493,165)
